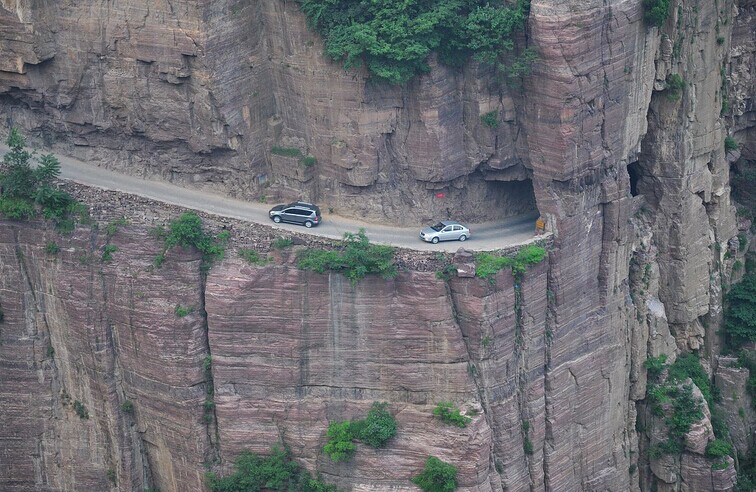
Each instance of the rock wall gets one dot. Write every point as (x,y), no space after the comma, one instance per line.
(290,351)
(199,94)
(634,182)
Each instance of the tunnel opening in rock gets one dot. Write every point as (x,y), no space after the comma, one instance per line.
(507,199)
(634,170)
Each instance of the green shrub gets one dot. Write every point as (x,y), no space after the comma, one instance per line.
(309,161)
(274,472)
(527,446)
(23,187)
(281,243)
(340,446)
(488,265)
(747,359)
(655,366)
(111,474)
(16,208)
(718,448)
(675,86)
(730,144)
(252,257)
(450,414)
(182,311)
(447,273)
(127,406)
(187,232)
(687,410)
(107,252)
(286,151)
(740,312)
(377,428)
(689,366)
(80,410)
(355,258)
(52,248)
(374,430)
(742,241)
(394,39)
(437,476)
(113,225)
(655,12)
(490,119)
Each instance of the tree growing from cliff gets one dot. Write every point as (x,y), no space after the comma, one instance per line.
(655,12)
(187,232)
(437,476)
(253,473)
(355,258)
(740,312)
(394,39)
(375,430)
(25,187)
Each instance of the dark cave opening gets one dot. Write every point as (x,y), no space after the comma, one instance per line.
(634,170)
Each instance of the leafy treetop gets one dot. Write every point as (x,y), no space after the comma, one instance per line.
(394,38)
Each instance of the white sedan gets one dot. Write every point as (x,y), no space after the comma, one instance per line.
(446,230)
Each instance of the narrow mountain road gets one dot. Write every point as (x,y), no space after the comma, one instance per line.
(485,236)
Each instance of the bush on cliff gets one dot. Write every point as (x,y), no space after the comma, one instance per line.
(355,258)
(740,312)
(394,39)
(375,430)
(187,232)
(277,471)
(24,188)
(450,414)
(655,12)
(488,265)
(437,476)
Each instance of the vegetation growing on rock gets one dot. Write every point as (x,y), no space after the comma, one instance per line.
(274,472)
(487,265)
(394,39)
(655,12)
(437,476)
(449,414)
(375,430)
(355,258)
(187,232)
(24,190)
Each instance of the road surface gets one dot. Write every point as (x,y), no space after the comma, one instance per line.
(485,236)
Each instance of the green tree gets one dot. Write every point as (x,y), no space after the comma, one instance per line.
(339,446)
(740,312)
(437,476)
(394,39)
(377,428)
(18,181)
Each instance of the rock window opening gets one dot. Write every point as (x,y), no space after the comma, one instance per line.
(634,170)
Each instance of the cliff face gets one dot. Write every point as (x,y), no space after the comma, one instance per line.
(290,351)
(633,179)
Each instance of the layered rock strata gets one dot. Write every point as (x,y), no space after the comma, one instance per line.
(632,177)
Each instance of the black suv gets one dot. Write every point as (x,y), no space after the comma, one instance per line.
(296,213)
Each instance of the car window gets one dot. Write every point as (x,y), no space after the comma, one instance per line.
(457,228)
(447,228)
(437,227)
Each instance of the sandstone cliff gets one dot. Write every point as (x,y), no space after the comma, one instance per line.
(635,183)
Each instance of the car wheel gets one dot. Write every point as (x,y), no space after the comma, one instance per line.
(308,224)
(276,219)
(434,240)
(462,237)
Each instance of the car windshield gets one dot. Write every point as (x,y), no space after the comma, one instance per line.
(438,226)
